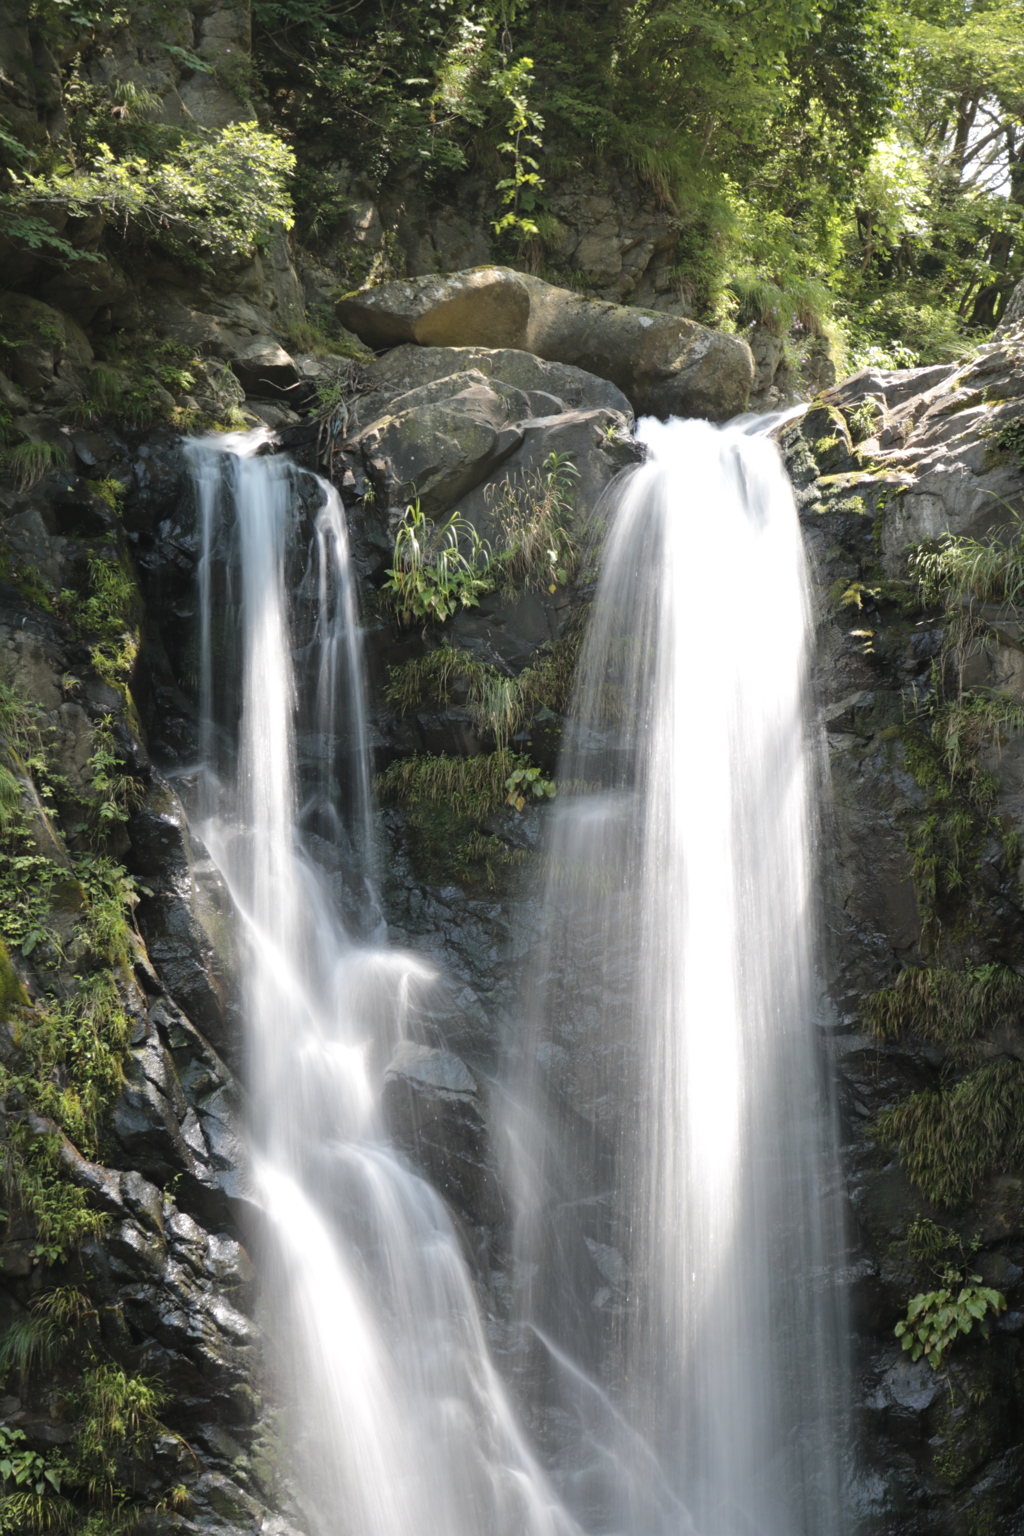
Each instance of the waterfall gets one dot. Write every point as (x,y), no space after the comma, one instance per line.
(400,1422)
(666,1127)
(668,1135)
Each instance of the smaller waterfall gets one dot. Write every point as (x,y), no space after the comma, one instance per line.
(669,1132)
(401,1423)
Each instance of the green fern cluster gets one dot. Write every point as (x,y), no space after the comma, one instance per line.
(951,1139)
(957,1009)
(502,705)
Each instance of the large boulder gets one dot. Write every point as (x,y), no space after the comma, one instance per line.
(664,364)
(487,307)
(548,386)
(440,440)
(264,368)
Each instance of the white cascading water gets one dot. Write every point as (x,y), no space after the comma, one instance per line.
(667,1132)
(401,1424)
(668,1135)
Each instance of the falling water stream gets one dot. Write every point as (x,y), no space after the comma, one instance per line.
(665,1129)
(404,1425)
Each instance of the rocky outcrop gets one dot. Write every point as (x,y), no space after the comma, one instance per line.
(665,365)
(164,1287)
(880,463)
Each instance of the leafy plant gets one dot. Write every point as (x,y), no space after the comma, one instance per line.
(22,1466)
(520,190)
(523,782)
(432,577)
(936,1319)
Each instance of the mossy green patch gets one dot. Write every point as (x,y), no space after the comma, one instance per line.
(448,802)
(12,992)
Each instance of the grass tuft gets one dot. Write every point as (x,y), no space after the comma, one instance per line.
(951,1139)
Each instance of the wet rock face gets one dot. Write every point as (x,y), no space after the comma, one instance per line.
(434,1112)
(881,463)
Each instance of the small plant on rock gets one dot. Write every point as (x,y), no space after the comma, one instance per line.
(432,575)
(536,514)
(936,1319)
(520,190)
(524,782)
(28,463)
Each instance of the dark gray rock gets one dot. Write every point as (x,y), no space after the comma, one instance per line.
(433,1108)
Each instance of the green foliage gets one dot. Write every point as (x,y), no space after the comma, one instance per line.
(440,568)
(936,1319)
(927,1242)
(432,577)
(952,1138)
(960,575)
(21,1466)
(114,1419)
(118,1413)
(947,835)
(448,801)
(29,462)
(467,786)
(210,193)
(536,514)
(957,1009)
(39,1338)
(520,189)
(107,618)
(501,704)
(111,491)
(71,914)
(524,782)
(957,571)
(12,992)
(1011,438)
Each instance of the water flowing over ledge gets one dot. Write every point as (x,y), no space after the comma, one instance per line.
(665,1134)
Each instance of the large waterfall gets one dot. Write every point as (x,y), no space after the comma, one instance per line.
(403,1425)
(668,1135)
(665,1130)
